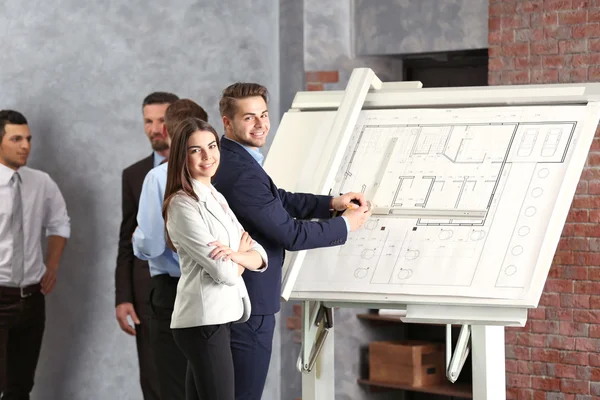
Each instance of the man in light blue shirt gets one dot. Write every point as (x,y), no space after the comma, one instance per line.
(149,239)
(149,244)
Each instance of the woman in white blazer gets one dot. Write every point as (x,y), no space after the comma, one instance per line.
(213,251)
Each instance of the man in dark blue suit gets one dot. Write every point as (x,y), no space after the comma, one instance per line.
(277,219)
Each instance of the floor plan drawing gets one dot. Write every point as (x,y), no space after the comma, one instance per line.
(462,198)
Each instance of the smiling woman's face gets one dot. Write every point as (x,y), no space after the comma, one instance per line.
(203,155)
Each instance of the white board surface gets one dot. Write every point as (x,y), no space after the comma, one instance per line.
(474,200)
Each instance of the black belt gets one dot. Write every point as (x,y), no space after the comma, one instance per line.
(166,278)
(22,292)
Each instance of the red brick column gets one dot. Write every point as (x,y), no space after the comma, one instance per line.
(316,80)
(294,323)
(557,354)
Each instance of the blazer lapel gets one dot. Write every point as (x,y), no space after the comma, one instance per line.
(149,162)
(213,207)
(236,148)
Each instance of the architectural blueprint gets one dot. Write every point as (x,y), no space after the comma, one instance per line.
(462,200)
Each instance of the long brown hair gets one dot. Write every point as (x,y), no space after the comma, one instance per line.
(179,178)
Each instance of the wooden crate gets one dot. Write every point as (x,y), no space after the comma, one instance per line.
(407,362)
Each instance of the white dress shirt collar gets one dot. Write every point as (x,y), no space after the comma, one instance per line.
(202,191)
(6,174)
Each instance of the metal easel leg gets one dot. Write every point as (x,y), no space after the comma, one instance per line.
(316,359)
(319,384)
(489,372)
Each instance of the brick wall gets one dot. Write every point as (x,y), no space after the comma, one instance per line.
(294,323)
(318,80)
(557,354)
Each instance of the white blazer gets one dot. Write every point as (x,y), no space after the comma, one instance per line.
(209,292)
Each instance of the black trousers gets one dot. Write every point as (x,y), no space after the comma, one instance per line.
(22,322)
(170,362)
(141,303)
(148,376)
(210,364)
(251,345)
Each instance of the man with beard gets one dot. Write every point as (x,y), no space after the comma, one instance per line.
(132,278)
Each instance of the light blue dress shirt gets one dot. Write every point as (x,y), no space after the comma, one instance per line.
(255,153)
(258,156)
(158,159)
(149,241)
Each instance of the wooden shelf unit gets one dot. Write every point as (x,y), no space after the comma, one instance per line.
(457,389)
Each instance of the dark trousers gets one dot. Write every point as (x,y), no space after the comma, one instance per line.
(141,303)
(251,345)
(170,361)
(148,375)
(210,365)
(22,322)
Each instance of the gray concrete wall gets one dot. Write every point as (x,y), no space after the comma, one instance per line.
(79,71)
(424,26)
(328,43)
(291,48)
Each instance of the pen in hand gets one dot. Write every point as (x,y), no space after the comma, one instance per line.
(354,204)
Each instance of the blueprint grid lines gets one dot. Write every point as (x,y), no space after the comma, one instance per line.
(448,181)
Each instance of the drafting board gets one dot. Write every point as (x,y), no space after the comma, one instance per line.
(472,188)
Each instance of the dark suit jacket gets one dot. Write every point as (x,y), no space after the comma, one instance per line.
(267,214)
(132,277)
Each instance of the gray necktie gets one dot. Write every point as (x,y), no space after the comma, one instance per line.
(18,259)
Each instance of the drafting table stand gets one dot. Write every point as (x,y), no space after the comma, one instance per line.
(482,331)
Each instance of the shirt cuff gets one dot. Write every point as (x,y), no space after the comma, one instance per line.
(62,231)
(347,223)
(135,240)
